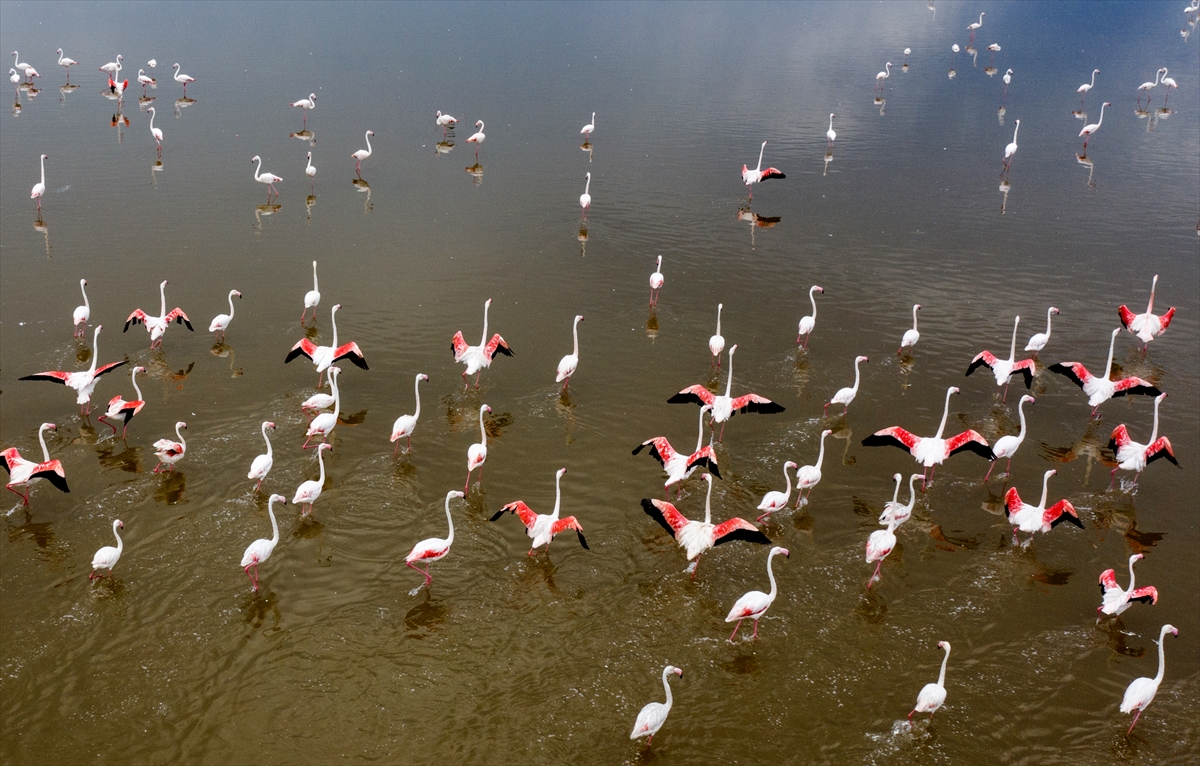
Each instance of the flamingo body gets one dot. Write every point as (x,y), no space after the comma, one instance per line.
(22,472)
(1038,518)
(678,465)
(157,326)
(84,382)
(477,358)
(168,451)
(1146,326)
(220,322)
(932,696)
(323,357)
(108,556)
(1117,599)
(696,537)
(1101,389)
(309,491)
(260,550)
(753,605)
(434,548)
(405,424)
(543,528)
(261,465)
(654,714)
(119,408)
(1140,692)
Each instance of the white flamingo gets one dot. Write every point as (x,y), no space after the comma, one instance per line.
(845,396)
(679,465)
(656,282)
(312,298)
(434,548)
(108,556)
(405,424)
(170,452)
(1087,86)
(716,342)
(1100,389)
(260,550)
(310,170)
(66,63)
(82,313)
(220,322)
(809,322)
(879,545)
(1011,149)
(362,154)
(585,199)
(323,357)
(910,336)
(1146,326)
(477,137)
(808,476)
(1006,446)
(181,78)
(1003,369)
(1088,130)
(754,605)
(306,104)
(543,528)
(1117,599)
(1140,692)
(23,472)
(157,326)
(155,132)
(900,512)
(477,453)
(751,177)
(932,696)
(567,365)
(39,188)
(261,466)
(322,425)
(776,500)
(1038,518)
(1038,341)
(587,129)
(652,717)
(270,179)
(725,407)
(1135,456)
(84,381)
(308,492)
(831,134)
(477,358)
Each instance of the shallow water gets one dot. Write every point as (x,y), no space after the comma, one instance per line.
(515,659)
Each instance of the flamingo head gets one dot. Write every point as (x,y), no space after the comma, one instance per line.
(1135,557)
(478,123)
(270,425)
(733,349)
(324,446)
(486,408)
(1172,629)
(676,671)
(238,293)
(1053,310)
(792,464)
(336,306)
(49,426)
(782,551)
(120,524)
(579,317)
(139,369)
(942,644)
(454,493)
(45,156)
(561,471)
(487,303)
(826,432)
(819,289)
(1028,398)
(334,370)
(917,307)
(278,499)
(182,425)
(256,158)
(423,377)
(858,359)
(952,390)
(1160,397)
(164,283)
(370,132)
(708,478)
(706,407)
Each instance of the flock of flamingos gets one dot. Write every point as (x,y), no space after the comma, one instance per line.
(693,536)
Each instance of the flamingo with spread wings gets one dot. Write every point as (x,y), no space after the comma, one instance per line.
(157,326)
(1135,456)
(477,358)
(22,472)
(324,356)
(725,407)
(119,408)
(696,537)
(1118,599)
(1146,326)
(540,527)
(1004,369)
(84,381)
(678,465)
(1038,518)
(751,177)
(1100,389)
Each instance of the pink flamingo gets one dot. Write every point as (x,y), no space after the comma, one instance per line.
(434,548)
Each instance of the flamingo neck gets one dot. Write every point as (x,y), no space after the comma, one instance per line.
(760,156)
(332,319)
(1101,120)
(588,184)
(771,576)
(265,438)
(914,317)
(728,381)
(700,431)
(151,119)
(1111,347)
(1016,129)
(162,299)
(274,524)
(337,397)
(1162,659)
(450,522)
(708,504)
(42,439)
(1153,285)
(1093,78)
(1049,317)
(43,162)
(1012,350)
(557,497)
(821,452)
(321,460)
(912,491)
(813,300)
(831,122)
(575,334)
(896,491)
(719,307)
(83,289)
(1045,488)
(180,435)
(1154,433)
(95,349)
(315,289)
(121,547)
(667,687)
(1021,413)
(417,393)
(367,136)
(788,478)
(133,380)
(257,171)
(482,430)
(1130,588)
(857,374)
(483,340)
(945,414)
(231,304)
(981,19)
(942,674)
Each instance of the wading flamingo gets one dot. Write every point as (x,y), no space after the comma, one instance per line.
(113,67)
(1088,130)
(260,550)
(156,133)
(84,381)
(181,78)
(306,104)
(445,120)
(310,170)
(324,356)
(1003,369)
(1134,456)
(1115,599)
(478,358)
(808,476)
(1145,88)
(1100,390)
(540,527)
(270,179)
(39,188)
(170,452)
(680,466)
(477,453)
(725,407)
(157,326)
(910,336)
(716,342)
(754,605)
(22,472)
(434,548)
(886,73)
(776,500)
(567,365)
(1011,149)
(652,717)
(145,79)
(751,177)
(896,511)
(656,282)
(108,556)
(807,323)
(66,63)
(1140,692)
(405,424)
(119,408)
(220,322)
(477,137)
(1038,341)
(82,313)
(831,134)
(973,28)
(585,199)
(1038,518)
(1006,446)
(1146,326)
(308,491)
(1087,86)
(845,396)
(322,425)
(587,129)
(879,545)
(312,298)
(932,696)
(261,466)
(362,154)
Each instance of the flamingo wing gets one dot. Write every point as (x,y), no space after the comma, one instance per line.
(1134,385)
(660,449)
(707,457)
(1161,447)
(1078,374)
(458,345)
(1108,581)
(1012,502)
(496,345)
(11,459)
(755,403)
(303,346)
(521,511)
(1060,512)
(52,472)
(665,514)
(1126,316)
(1119,438)
(772,173)
(176,315)
(137,317)
(738,529)
(969,440)
(1147,595)
(1165,320)
(108,367)
(54,376)
(892,437)
(982,358)
(696,394)
(1027,368)
(352,352)
(570,523)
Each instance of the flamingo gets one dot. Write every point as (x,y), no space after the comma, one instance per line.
(322,425)
(716,342)
(84,381)
(1133,456)
(82,313)
(1146,326)
(896,511)
(1140,692)
(261,466)
(170,452)
(477,453)
(181,78)
(306,104)
(477,358)
(972,28)
(108,556)
(15,79)
(585,199)
(20,65)
(879,545)
(477,137)
(809,322)
(910,336)
(315,403)
(434,548)
(845,396)
(119,408)
(270,179)
(1038,341)
(1168,83)
(66,63)
(994,48)
(1006,446)
(22,472)
(1116,600)
(260,550)
(1144,88)
(831,134)
(310,170)
(405,424)
(113,67)
(324,356)
(751,177)
(1003,369)
(567,365)
(932,696)
(680,466)
(1011,149)
(587,129)
(931,451)
(1087,86)
(117,87)
(1038,518)
(362,154)
(145,79)
(886,73)
(445,120)
(1100,390)
(652,717)
(1088,130)
(155,132)
(696,537)
(776,500)
(808,476)
(311,298)
(1007,78)
(39,188)
(754,605)
(542,528)
(308,491)
(157,326)
(220,322)
(725,407)
(656,282)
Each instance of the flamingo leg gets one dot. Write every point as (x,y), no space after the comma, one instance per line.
(409,447)
(1136,716)
(735,630)
(467,485)
(1112,481)
(24,497)
(258,485)
(157,466)
(910,715)
(989,472)
(425,572)
(755,636)
(695,569)
(875,576)
(104,420)
(396,451)
(477,378)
